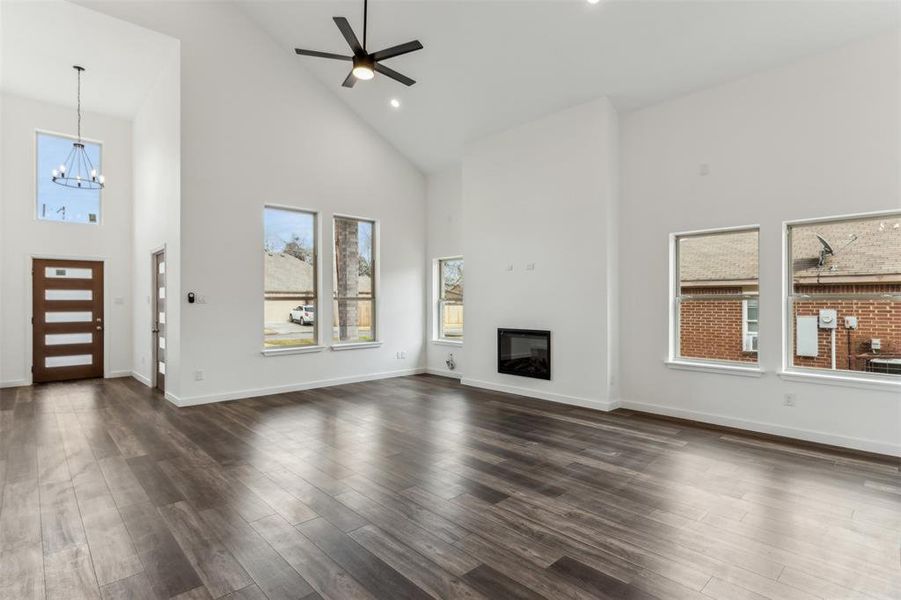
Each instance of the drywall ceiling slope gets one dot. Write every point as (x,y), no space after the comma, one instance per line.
(488,65)
(40,40)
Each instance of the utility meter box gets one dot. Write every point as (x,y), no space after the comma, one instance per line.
(850,322)
(828,318)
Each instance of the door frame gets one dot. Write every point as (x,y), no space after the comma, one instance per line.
(29,309)
(154,308)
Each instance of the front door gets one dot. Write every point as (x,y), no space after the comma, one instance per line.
(159,319)
(67,319)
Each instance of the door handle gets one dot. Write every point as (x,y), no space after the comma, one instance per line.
(154,330)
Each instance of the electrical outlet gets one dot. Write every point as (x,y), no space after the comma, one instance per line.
(790,399)
(198,375)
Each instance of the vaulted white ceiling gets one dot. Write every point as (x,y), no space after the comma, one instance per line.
(491,64)
(40,40)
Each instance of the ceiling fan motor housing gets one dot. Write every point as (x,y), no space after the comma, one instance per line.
(364,62)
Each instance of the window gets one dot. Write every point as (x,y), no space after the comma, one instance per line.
(715,292)
(450,299)
(290,291)
(750,324)
(844,303)
(354,281)
(55,202)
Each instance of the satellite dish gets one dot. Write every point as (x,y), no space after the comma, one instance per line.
(825,251)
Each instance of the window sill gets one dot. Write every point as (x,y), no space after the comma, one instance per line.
(456,343)
(869,383)
(723,369)
(291,350)
(355,345)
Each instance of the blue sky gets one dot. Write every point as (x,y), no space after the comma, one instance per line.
(281,224)
(78,203)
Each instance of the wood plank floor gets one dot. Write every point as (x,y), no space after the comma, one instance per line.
(418,487)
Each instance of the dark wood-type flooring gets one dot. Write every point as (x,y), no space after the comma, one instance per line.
(418,487)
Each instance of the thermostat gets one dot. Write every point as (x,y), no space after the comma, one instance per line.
(828,317)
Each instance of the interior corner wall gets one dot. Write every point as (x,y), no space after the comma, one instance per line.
(157,210)
(815,138)
(538,204)
(257,129)
(444,240)
(24,236)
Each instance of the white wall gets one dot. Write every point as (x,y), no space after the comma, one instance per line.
(445,239)
(23,236)
(157,211)
(256,128)
(543,194)
(815,138)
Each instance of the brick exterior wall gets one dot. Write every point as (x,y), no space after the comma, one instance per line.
(712,329)
(875,319)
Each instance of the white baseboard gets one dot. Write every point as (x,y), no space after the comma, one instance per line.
(146,381)
(282,389)
(770,428)
(604,405)
(114,374)
(445,373)
(10,383)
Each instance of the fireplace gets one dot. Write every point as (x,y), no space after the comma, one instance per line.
(524,352)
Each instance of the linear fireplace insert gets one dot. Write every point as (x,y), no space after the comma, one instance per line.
(524,352)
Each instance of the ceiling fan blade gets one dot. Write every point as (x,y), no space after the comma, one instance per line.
(397,50)
(393,74)
(349,35)
(350,81)
(318,54)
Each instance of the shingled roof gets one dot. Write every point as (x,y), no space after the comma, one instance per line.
(719,259)
(866,251)
(287,275)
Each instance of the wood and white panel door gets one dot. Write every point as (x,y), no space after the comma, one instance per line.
(159,320)
(67,321)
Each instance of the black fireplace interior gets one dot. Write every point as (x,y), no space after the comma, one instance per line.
(524,352)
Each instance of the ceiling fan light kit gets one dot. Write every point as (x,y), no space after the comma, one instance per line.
(365,64)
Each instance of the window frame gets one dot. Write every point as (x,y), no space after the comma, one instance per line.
(317,345)
(674,359)
(440,302)
(34,162)
(790,371)
(376,265)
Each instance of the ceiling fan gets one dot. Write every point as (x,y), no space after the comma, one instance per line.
(365,64)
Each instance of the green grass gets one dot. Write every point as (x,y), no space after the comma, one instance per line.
(286,343)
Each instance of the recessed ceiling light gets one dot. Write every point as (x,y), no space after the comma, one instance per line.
(593,1)
(395,103)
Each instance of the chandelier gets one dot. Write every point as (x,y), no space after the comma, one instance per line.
(77,171)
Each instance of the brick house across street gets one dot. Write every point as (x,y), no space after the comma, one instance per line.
(861,279)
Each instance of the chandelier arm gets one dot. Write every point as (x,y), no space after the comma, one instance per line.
(70,162)
(90,164)
(82,157)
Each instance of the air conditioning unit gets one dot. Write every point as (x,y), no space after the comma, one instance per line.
(750,344)
(887,366)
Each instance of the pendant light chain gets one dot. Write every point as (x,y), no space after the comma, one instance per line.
(78,107)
